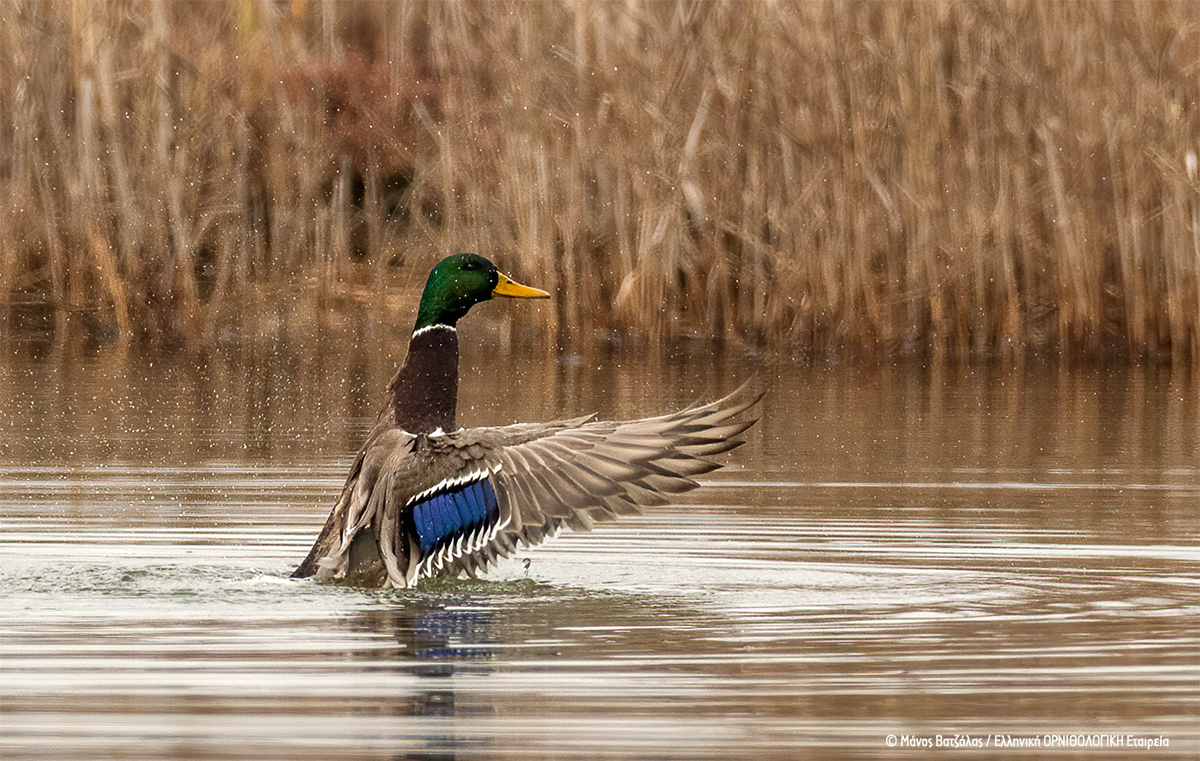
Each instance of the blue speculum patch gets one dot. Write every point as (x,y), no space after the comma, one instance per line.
(446,515)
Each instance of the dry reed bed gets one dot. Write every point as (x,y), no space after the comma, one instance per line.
(987,178)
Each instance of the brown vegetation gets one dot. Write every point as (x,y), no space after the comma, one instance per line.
(992,178)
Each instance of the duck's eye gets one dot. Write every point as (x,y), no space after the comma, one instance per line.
(470,265)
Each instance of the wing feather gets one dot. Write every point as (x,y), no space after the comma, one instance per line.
(568,473)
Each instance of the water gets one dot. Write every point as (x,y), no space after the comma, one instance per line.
(902,552)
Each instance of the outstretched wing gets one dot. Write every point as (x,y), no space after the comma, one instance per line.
(448,504)
(576,472)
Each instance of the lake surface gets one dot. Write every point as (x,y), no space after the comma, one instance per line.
(901,555)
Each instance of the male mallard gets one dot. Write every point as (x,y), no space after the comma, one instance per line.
(426,499)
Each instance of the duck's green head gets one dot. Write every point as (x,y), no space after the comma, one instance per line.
(460,282)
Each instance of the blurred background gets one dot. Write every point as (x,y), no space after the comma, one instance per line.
(828,178)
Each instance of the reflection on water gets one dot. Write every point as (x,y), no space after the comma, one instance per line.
(899,550)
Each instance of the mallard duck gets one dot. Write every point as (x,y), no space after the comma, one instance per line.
(425,498)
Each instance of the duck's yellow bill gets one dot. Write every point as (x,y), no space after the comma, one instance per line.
(515,290)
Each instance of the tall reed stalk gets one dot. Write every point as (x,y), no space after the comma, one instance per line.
(984,178)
